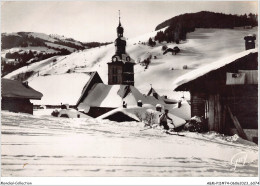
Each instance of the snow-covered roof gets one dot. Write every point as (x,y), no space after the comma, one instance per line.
(16,89)
(133,111)
(151,92)
(166,100)
(210,67)
(94,78)
(62,88)
(130,112)
(112,96)
(183,112)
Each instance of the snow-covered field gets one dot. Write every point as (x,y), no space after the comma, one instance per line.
(202,47)
(47,146)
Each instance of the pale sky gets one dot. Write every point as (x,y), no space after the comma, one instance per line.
(97,21)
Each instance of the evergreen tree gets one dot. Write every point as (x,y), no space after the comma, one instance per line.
(151,42)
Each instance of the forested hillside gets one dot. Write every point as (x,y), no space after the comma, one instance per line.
(179,26)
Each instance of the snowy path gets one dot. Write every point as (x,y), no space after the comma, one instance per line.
(46,146)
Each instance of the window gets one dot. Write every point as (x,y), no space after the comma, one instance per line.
(114,70)
(114,79)
(206,109)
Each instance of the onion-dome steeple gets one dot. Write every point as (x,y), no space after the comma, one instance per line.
(121,68)
(120,29)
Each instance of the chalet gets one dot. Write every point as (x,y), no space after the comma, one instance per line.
(16,96)
(225,92)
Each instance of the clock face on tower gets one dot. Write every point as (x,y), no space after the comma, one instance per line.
(114,59)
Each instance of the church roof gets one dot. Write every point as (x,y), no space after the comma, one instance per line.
(94,78)
(151,92)
(112,96)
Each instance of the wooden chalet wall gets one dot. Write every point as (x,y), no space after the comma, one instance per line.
(198,104)
(210,96)
(243,102)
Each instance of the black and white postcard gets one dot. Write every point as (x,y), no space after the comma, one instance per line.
(126,89)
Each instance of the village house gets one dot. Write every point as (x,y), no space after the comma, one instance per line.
(16,96)
(226,94)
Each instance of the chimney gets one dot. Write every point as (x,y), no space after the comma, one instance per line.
(25,83)
(139,103)
(250,42)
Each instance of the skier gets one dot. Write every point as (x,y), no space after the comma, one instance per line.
(163,120)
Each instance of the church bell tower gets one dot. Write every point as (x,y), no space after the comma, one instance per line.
(121,67)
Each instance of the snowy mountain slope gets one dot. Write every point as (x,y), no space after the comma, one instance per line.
(21,48)
(57,46)
(30,39)
(42,36)
(202,47)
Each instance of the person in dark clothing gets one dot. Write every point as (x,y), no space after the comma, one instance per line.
(163,120)
(124,104)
